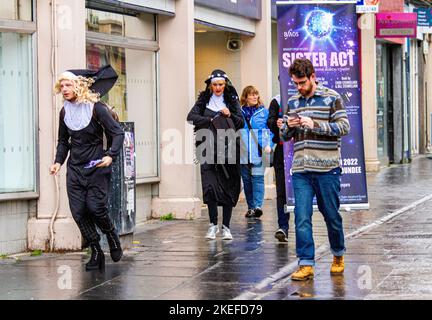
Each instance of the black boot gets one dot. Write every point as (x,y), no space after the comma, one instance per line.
(105,224)
(97,259)
(116,251)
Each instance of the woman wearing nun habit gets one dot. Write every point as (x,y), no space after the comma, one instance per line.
(218,108)
(83,121)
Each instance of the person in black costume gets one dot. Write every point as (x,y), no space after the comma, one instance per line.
(218,108)
(83,121)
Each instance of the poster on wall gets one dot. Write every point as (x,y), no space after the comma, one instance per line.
(101,55)
(326,33)
(424,20)
(129,176)
(122,196)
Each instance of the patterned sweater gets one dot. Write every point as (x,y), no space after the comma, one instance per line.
(318,149)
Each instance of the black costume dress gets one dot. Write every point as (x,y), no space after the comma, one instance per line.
(221,183)
(88,188)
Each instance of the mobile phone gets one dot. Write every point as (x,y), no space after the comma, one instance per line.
(293,114)
(92,163)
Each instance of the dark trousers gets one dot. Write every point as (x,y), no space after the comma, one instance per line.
(88,198)
(213,214)
(278,164)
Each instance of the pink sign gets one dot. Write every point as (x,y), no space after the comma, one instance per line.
(396,25)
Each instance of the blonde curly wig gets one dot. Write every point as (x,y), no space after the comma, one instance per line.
(81,87)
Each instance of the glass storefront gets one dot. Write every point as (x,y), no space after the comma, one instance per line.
(16,10)
(134,95)
(141,26)
(382,89)
(17,105)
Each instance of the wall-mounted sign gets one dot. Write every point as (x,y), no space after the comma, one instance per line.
(424,20)
(396,25)
(367,6)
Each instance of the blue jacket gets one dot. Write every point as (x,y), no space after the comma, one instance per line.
(249,151)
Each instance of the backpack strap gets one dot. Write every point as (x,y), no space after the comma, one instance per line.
(278,100)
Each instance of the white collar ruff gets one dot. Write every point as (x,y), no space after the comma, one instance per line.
(216,103)
(78,115)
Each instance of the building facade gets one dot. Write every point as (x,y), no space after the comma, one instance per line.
(163,50)
(395,90)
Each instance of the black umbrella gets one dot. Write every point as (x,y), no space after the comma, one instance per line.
(105,78)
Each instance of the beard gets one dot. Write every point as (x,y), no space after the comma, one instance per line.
(306,91)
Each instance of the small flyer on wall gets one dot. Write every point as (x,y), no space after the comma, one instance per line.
(367,6)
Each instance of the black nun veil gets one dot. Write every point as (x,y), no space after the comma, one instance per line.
(104,78)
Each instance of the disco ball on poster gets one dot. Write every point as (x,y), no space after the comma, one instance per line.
(319,24)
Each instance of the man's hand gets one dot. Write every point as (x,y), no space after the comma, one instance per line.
(307,122)
(225,112)
(280,123)
(294,122)
(55,168)
(106,162)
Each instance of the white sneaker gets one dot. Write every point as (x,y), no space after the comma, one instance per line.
(226,233)
(212,231)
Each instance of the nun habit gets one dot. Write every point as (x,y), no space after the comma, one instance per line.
(81,129)
(221,182)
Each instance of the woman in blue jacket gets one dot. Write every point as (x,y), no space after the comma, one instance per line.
(256,144)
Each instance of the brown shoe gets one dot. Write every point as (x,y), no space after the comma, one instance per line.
(338,265)
(303,273)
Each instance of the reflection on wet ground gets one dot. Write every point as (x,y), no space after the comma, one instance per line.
(172,260)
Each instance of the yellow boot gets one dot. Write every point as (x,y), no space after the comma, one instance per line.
(338,265)
(303,273)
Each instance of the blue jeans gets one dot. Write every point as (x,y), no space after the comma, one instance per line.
(326,187)
(253,184)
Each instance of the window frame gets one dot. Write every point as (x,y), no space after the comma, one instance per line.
(133,43)
(29,28)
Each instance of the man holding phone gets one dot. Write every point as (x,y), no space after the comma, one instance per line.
(292,114)
(317,119)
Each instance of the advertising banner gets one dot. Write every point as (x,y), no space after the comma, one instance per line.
(326,33)
(122,196)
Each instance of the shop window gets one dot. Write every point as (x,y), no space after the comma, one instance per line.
(134,95)
(141,26)
(16,10)
(17,114)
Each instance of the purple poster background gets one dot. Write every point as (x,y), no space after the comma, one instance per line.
(327,34)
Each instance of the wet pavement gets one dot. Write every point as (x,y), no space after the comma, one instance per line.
(172,260)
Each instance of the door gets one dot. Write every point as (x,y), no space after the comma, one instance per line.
(382,88)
